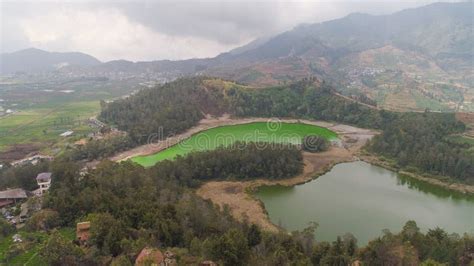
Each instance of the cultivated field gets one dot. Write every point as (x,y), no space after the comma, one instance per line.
(43,108)
(38,128)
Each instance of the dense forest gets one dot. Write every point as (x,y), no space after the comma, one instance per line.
(131,207)
(413,140)
(239,161)
(21,176)
(174,107)
(420,140)
(168,109)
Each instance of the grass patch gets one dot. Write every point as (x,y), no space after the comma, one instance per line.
(424,102)
(212,138)
(32,243)
(43,125)
(461,139)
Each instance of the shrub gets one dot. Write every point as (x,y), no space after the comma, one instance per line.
(314,143)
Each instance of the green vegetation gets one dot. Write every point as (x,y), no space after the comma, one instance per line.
(175,107)
(166,110)
(27,252)
(424,102)
(41,126)
(131,207)
(21,176)
(424,147)
(419,140)
(43,108)
(275,132)
(315,143)
(458,139)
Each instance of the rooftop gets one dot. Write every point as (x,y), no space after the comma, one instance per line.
(83,226)
(16,193)
(66,133)
(44,176)
(149,255)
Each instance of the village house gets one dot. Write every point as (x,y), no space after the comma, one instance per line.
(66,133)
(153,256)
(44,182)
(82,232)
(150,256)
(11,196)
(208,263)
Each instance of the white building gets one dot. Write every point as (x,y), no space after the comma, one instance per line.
(44,182)
(66,133)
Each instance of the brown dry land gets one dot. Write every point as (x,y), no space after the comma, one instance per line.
(243,206)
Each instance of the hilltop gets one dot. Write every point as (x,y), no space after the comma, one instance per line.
(414,59)
(36,60)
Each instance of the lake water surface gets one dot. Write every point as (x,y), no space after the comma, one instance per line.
(364,199)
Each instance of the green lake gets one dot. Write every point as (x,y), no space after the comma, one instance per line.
(272,132)
(364,199)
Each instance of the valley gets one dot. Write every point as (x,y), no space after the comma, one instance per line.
(43,108)
(237,133)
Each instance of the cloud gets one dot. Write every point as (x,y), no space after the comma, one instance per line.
(111,35)
(149,30)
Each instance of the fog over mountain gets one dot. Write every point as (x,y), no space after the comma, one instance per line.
(426,52)
(36,60)
(143,31)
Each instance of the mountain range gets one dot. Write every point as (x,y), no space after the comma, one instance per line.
(410,60)
(36,60)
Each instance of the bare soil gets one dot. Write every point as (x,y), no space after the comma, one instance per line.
(243,206)
(18,151)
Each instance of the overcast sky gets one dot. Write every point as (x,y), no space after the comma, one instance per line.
(151,30)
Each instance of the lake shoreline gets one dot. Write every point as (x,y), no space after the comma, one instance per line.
(244,205)
(292,207)
(242,201)
(238,194)
(452,186)
(227,120)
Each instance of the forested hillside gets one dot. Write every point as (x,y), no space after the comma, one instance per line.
(179,105)
(421,140)
(131,207)
(410,60)
(170,109)
(417,140)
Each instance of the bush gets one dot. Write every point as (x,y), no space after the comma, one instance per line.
(43,220)
(5,228)
(59,251)
(314,143)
